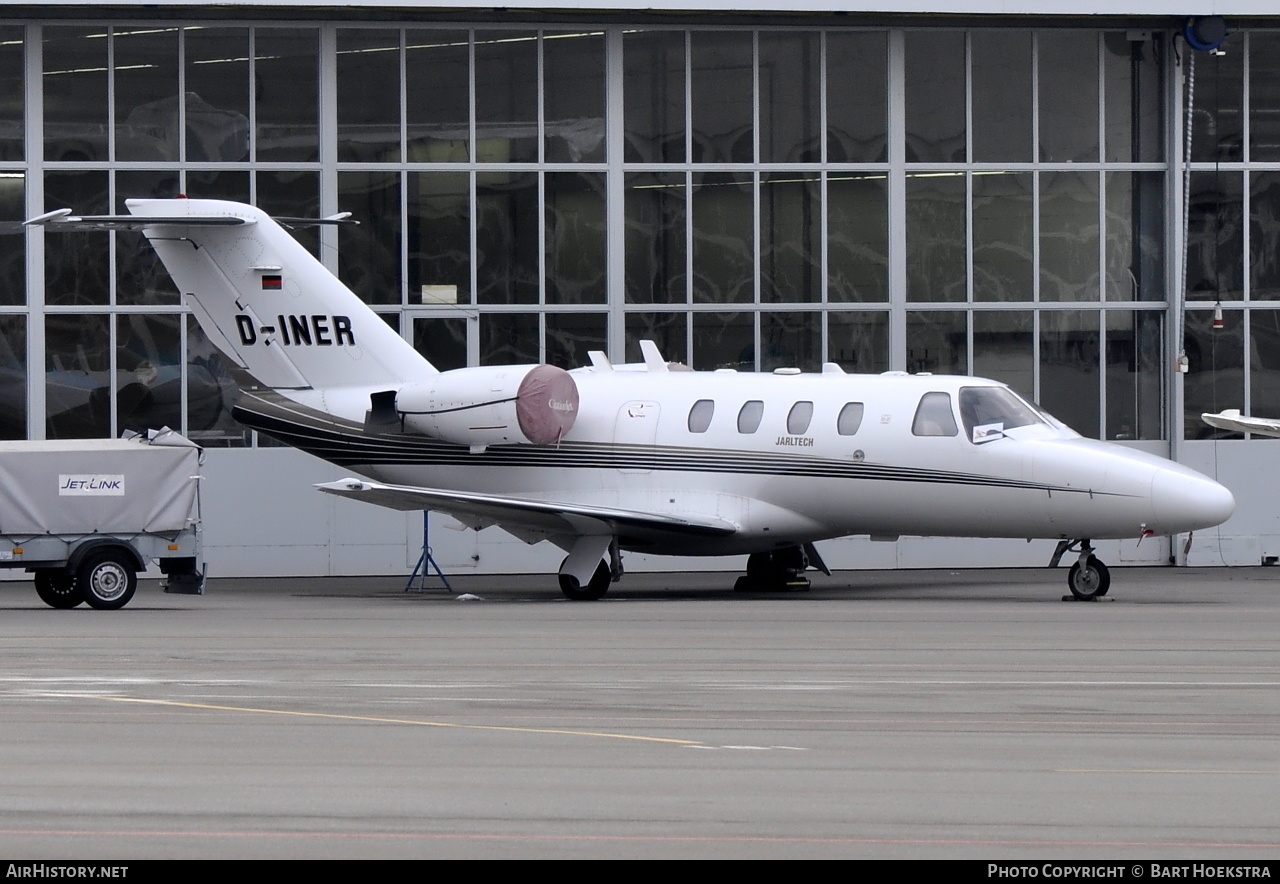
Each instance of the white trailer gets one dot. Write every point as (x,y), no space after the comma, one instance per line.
(86,515)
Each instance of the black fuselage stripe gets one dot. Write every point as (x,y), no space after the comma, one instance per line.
(348,445)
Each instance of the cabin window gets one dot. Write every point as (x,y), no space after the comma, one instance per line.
(700,415)
(850,419)
(749,416)
(798,418)
(934,416)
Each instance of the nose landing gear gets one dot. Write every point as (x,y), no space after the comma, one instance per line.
(1089,579)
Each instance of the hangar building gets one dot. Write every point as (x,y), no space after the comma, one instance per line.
(1061,195)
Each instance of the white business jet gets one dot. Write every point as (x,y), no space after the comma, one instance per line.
(650,457)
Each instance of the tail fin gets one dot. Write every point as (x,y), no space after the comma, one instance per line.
(266,302)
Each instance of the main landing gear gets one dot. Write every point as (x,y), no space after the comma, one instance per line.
(605,573)
(780,570)
(1089,579)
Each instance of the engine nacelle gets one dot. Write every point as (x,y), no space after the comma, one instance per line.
(492,405)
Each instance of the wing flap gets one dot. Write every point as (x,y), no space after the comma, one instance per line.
(522,515)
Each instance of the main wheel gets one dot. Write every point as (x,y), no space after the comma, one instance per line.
(595,588)
(1090,581)
(106,579)
(57,589)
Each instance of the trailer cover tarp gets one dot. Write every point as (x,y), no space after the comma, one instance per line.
(82,486)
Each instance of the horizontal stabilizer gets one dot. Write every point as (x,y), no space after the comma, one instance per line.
(1231,419)
(540,516)
(64,218)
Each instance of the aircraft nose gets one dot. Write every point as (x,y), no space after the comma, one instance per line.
(1185,500)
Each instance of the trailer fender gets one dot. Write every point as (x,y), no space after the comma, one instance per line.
(90,546)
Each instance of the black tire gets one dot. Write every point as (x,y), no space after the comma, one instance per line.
(58,589)
(595,588)
(1090,581)
(107,579)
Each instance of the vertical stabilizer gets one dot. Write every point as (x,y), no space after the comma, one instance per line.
(269,304)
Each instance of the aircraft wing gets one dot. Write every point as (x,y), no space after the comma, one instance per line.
(528,519)
(1231,419)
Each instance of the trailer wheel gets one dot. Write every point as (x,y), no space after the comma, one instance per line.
(106,579)
(58,589)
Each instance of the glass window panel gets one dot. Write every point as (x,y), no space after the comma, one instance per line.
(1215,369)
(507,267)
(75,93)
(937,342)
(653,95)
(936,237)
(439,238)
(573,96)
(148,386)
(369,252)
(1002,236)
(723,238)
(850,418)
(790,101)
(1133,98)
(1264,96)
(1264,236)
(1068,80)
(798,418)
(1002,96)
(1215,236)
(441,340)
(1135,367)
(722,93)
(857,237)
(1264,363)
(506,96)
(723,340)
(668,330)
(935,96)
(790,237)
(77,381)
(1069,351)
(750,415)
(857,97)
(1135,236)
(858,342)
(509,338)
(13,248)
(286,89)
(437,96)
(1069,236)
(292,194)
(791,340)
(934,416)
(146,94)
(212,393)
(571,336)
(140,277)
(1003,348)
(215,184)
(217,94)
(700,415)
(368,95)
(77,266)
(13,377)
(1217,122)
(575,238)
(656,250)
(12,94)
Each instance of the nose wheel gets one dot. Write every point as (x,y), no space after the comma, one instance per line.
(1089,579)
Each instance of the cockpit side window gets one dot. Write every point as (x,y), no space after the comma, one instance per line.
(988,412)
(749,416)
(850,419)
(934,417)
(700,415)
(799,417)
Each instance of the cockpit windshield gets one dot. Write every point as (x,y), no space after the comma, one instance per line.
(989,412)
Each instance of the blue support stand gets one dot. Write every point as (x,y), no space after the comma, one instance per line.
(425,561)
